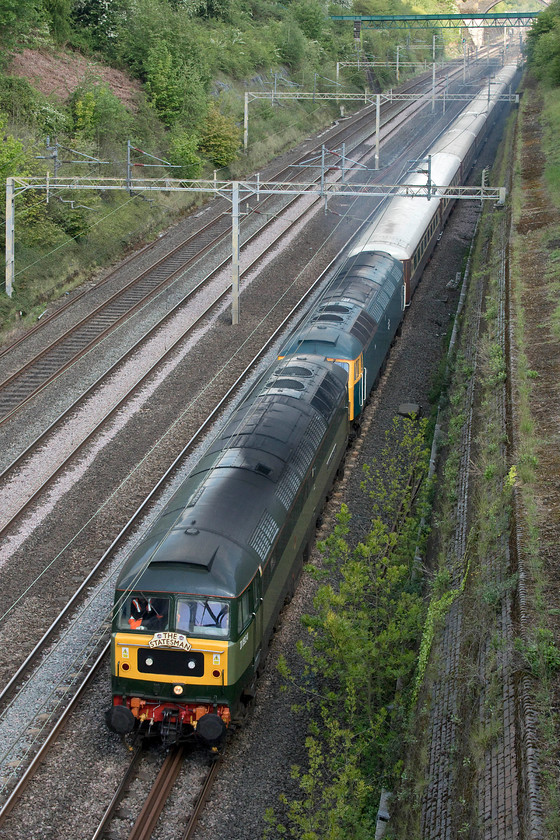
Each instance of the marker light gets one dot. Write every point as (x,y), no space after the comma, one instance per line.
(177,689)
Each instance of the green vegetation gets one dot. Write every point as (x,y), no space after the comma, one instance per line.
(543,45)
(358,668)
(480,582)
(539,649)
(192,62)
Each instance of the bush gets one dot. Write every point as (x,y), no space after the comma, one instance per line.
(546,56)
(238,52)
(58,14)
(12,153)
(310,17)
(176,91)
(220,139)
(97,24)
(98,114)
(17,98)
(291,44)
(543,45)
(183,152)
(16,17)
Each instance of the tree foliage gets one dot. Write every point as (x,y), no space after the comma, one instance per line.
(98,114)
(360,662)
(165,83)
(310,16)
(16,17)
(543,45)
(183,152)
(99,22)
(291,44)
(58,13)
(220,138)
(12,153)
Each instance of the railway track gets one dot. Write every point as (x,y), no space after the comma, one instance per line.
(37,372)
(18,679)
(158,795)
(496,803)
(35,483)
(22,743)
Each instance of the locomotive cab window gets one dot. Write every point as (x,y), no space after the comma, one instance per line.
(202,616)
(141,612)
(344,365)
(358,369)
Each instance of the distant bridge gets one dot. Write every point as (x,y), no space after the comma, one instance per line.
(466,18)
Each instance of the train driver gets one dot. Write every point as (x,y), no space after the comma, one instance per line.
(148,613)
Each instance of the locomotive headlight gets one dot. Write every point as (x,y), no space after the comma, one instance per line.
(191,664)
(149,661)
(177,689)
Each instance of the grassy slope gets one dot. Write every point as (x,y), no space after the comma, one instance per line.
(53,259)
(534,267)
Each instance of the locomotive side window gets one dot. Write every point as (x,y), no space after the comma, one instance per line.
(203,616)
(139,612)
(244,610)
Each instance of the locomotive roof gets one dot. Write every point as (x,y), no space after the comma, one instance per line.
(218,527)
(350,308)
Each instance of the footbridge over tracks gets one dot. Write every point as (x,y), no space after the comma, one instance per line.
(459,20)
(473,15)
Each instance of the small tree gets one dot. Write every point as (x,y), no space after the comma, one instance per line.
(175,89)
(291,44)
(58,12)
(98,113)
(16,16)
(165,83)
(220,139)
(12,152)
(310,16)
(183,152)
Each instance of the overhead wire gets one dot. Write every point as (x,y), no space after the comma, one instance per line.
(162,439)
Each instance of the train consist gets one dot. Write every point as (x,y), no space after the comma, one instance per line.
(197,601)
